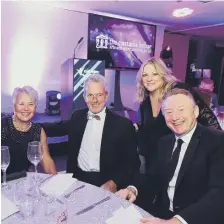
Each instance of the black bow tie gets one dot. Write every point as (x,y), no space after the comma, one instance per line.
(91,116)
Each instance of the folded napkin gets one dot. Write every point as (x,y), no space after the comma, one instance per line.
(128,215)
(14,176)
(58,184)
(8,208)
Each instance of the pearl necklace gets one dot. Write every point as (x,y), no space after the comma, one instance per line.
(17,127)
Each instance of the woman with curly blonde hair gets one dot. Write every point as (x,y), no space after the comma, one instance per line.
(154,80)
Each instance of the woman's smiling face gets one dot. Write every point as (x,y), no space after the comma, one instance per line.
(151,80)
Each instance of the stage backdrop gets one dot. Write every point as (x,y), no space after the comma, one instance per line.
(37,39)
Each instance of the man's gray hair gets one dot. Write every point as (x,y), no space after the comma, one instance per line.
(28,90)
(177,91)
(95,78)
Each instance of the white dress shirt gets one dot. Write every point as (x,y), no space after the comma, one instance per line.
(171,188)
(89,153)
(172,184)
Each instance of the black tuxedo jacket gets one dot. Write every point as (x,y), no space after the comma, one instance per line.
(199,191)
(152,129)
(119,160)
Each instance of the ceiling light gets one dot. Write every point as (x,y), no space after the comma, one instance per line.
(182,12)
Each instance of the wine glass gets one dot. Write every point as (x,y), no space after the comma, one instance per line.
(5,160)
(35,154)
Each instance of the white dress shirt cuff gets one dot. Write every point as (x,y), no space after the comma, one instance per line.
(133,187)
(180,219)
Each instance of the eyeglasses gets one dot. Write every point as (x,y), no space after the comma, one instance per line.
(92,96)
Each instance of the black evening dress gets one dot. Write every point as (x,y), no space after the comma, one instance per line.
(17,142)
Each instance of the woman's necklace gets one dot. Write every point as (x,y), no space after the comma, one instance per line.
(17,127)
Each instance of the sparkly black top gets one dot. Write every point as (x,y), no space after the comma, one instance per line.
(17,142)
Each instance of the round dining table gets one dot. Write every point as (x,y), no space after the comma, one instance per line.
(103,205)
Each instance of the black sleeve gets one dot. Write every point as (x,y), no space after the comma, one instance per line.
(55,129)
(147,185)
(209,208)
(142,132)
(141,114)
(131,163)
(58,128)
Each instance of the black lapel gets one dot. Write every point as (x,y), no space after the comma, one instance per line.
(80,125)
(189,154)
(106,134)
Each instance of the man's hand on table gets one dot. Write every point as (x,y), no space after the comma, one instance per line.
(110,186)
(160,221)
(128,193)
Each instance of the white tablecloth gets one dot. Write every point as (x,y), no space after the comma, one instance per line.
(83,198)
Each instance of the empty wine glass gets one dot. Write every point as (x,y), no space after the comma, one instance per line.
(5,161)
(35,155)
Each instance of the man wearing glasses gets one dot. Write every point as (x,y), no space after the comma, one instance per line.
(102,145)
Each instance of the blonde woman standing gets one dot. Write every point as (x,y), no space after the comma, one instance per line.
(154,80)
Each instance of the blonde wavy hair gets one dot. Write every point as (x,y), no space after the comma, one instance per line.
(165,73)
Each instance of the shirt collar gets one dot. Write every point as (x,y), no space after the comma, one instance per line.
(187,138)
(101,113)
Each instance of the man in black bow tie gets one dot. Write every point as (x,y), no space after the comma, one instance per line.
(186,185)
(102,145)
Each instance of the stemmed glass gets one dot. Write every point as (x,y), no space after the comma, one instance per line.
(35,155)
(5,161)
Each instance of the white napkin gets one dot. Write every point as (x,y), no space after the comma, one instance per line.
(58,184)
(8,208)
(128,215)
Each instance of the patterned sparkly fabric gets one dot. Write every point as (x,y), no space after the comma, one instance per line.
(17,142)
(206,116)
